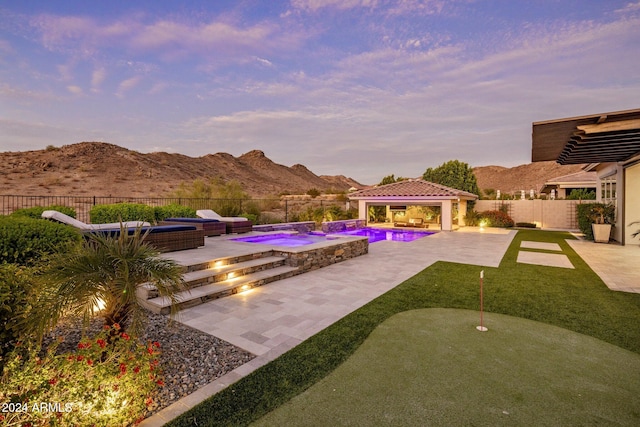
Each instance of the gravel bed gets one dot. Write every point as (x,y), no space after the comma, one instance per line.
(189,358)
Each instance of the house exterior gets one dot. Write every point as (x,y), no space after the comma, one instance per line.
(407,196)
(562,186)
(609,143)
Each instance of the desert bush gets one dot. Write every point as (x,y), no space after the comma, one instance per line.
(36,211)
(24,240)
(173,211)
(313,192)
(101,214)
(497,219)
(108,381)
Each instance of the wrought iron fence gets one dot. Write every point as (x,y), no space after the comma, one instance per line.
(264,210)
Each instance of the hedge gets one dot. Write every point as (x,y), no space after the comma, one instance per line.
(15,282)
(24,240)
(101,214)
(36,211)
(173,211)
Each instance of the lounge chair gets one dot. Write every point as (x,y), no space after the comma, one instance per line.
(66,219)
(211,227)
(234,224)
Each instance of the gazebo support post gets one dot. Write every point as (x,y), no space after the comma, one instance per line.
(447,221)
(462,212)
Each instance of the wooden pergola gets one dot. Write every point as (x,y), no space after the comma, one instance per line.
(597,138)
(609,143)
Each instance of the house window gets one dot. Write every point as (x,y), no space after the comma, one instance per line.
(608,192)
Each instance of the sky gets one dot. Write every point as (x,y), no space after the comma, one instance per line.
(361,88)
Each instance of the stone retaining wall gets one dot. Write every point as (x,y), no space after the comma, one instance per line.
(300,227)
(347,224)
(322,257)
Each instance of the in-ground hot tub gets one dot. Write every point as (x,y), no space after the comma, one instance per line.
(308,251)
(290,240)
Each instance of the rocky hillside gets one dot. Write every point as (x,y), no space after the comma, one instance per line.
(94,168)
(523,177)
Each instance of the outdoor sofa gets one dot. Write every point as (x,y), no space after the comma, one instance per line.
(234,224)
(412,222)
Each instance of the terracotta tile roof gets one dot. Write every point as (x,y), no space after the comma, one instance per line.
(411,188)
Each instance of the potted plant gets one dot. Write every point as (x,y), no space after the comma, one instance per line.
(601,216)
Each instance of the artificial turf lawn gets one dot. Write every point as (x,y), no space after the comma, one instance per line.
(432,367)
(575,299)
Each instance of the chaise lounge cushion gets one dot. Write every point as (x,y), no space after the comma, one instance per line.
(235,224)
(66,219)
(209,214)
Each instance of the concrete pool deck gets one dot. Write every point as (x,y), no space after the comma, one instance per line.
(270,320)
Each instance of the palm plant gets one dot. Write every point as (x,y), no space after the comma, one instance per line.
(100,276)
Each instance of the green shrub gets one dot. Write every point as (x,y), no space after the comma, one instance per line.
(497,219)
(582,194)
(24,240)
(109,380)
(525,225)
(472,218)
(36,211)
(15,284)
(173,211)
(101,214)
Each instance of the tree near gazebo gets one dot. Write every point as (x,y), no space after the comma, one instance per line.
(99,276)
(390,179)
(454,174)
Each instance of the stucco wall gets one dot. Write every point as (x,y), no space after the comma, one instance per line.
(559,214)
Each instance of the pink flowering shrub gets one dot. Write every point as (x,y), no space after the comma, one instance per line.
(108,381)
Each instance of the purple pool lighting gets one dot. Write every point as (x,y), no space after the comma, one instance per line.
(289,240)
(378,234)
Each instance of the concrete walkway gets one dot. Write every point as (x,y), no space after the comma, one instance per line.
(270,320)
(618,266)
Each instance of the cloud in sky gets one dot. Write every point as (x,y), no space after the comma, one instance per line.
(363,88)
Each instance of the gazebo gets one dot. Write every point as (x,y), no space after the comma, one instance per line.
(400,195)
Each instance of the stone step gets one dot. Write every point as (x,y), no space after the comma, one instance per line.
(197,278)
(204,293)
(224,272)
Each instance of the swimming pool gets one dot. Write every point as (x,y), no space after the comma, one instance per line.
(293,240)
(378,234)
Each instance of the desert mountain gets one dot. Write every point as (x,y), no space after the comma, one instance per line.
(101,169)
(95,168)
(523,177)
